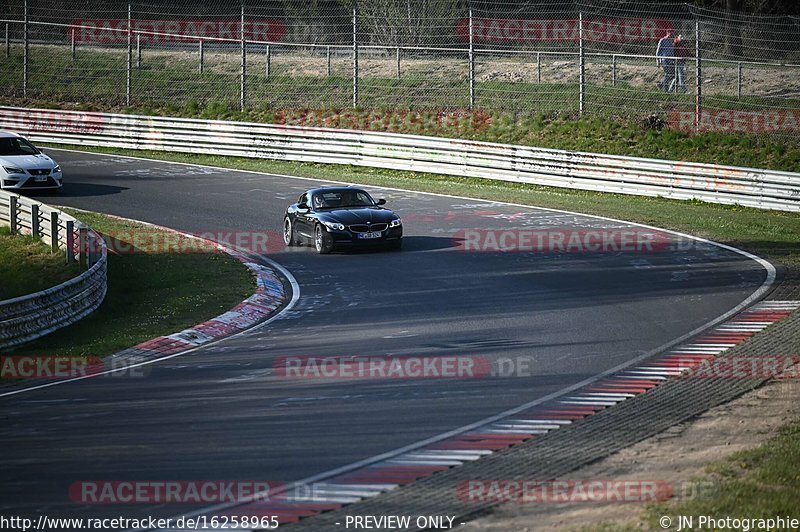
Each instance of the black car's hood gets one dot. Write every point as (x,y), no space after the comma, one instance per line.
(357,215)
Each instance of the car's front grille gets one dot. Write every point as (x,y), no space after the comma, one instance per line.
(30,183)
(368,228)
(40,171)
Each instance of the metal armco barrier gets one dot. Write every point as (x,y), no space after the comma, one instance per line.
(765,189)
(28,317)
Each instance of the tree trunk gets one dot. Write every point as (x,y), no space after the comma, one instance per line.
(733,36)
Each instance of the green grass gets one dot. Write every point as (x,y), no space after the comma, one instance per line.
(622,119)
(27,265)
(150,294)
(758,483)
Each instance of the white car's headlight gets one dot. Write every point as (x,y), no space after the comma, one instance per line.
(13,170)
(395,223)
(57,169)
(333,225)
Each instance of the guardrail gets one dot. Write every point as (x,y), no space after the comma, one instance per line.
(28,317)
(765,189)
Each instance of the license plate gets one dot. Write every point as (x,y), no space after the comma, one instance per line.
(40,178)
(370,235)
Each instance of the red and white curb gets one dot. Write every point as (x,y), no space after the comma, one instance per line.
(268,297)
(260,307)
(379,477)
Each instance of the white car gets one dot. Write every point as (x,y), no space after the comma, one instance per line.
(24,167)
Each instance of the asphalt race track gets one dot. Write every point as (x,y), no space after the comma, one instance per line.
(220,413)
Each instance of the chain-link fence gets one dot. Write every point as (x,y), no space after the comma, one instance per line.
(727,71)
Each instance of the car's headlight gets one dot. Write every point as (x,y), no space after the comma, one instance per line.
(333,225)
(57,169)
(395,223)
(13,170)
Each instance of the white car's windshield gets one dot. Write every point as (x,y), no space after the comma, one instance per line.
(16,146)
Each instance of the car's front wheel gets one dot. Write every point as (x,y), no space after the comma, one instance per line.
(288,232)
(322,240)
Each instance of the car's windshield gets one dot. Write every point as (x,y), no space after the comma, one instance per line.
(342,198)
(16,146)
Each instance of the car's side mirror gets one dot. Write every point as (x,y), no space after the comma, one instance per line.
(381,202)
(302,206)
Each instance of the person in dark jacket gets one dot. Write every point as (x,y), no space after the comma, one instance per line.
(664,59)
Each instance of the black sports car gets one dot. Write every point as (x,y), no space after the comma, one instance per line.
(337,217)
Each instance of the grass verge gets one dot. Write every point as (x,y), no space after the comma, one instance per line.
(27,265)
(150,293)
(758,483)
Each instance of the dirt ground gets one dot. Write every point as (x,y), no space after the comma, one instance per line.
(719,78)
(677,456)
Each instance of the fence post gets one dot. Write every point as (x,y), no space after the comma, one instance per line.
(200,50)
(54,231)
(129,62)
(72,44)
(243,76)
(35,232)
(471,59)
(538,67)
(675,75)
(12,214)
(8,42)
(139,50)
(83,245)
(698,110)
(614,70)
(355,55)
(70,241)
(25,51)
(268,62)
(739,80)
(398,62)
(582,66)
(328,58)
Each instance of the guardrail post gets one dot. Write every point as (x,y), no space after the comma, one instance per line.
(83,246)
(613,70)
(328,54)
(739,80)
(243,73)
(129,61)
(12,214)
(72,44)
(35,221)
(268,62)
(54,232)
(200,49)
(698,109)
(355,55)
(471,60)
(581,66)
(25,52)
(70,233)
